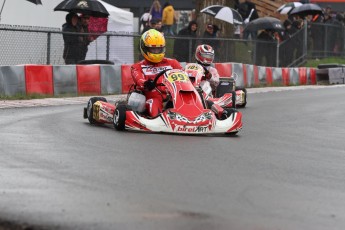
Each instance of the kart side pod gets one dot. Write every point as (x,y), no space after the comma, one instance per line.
(137,102)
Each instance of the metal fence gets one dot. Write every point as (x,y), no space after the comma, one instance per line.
(23,45)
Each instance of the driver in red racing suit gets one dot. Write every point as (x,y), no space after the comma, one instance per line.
(152,47)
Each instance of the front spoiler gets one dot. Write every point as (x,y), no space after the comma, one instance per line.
(162,124)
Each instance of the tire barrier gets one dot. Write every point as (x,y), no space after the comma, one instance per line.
(103,79)
(12,80)
(39,79)
(126,78)
(65,79)
(89,79)
(111,79)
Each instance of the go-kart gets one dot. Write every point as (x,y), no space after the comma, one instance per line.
(226,92)
(185,110)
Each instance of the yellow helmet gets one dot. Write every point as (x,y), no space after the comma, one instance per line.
(152,46)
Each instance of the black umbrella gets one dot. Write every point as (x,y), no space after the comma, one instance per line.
(88,7)
(307,9)
(223,13)
(264,23)
(35,1)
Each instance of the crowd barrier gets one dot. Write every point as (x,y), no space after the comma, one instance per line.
(98,79)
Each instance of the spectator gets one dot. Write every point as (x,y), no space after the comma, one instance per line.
(209,33)
(156,10)
(317,34)
(288,29)
(182,47)
(85,40)
(72,43)
(328,11)
(150,25)
(298,25)
(288,47)
(158,26)
(339,38)
(168,19)
(248,11)
(332,30)
(265,48)
(145,22)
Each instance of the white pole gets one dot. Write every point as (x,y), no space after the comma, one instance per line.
(3,4)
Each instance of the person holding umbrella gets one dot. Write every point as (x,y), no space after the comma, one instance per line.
(72,42)
(85,40)
(265,48)
(248,11)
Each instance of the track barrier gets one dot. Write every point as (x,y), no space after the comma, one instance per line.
(102,79)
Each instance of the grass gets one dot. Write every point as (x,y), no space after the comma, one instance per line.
(331,60)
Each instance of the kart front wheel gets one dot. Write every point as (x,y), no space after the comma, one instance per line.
(89,109)
(120,117)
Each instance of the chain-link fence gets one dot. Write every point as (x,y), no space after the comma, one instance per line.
(20,45)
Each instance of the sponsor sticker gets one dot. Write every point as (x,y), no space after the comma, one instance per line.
(191,129)
(151,70)
(180,76)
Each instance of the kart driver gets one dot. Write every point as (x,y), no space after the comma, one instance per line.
(152,47)
(204,55)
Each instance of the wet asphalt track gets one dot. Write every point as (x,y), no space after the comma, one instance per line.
(285,169)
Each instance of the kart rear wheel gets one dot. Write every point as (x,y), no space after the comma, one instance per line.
(245,96)
(233,98)
(89,108)
(120,117)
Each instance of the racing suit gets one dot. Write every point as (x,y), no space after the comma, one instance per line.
(145,70)
(212,76)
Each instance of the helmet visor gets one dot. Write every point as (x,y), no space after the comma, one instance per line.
(156,50)
(208,56)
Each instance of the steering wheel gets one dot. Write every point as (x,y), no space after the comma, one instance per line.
(161,84)
(159,75)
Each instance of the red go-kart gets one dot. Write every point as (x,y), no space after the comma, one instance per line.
(226,92)
(185,110)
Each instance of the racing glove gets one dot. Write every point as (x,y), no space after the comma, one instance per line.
(149,85)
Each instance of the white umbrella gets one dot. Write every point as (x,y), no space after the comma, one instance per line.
(223,13)
(286,8)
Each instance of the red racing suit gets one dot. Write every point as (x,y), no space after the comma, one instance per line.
(212,77)
(145,70)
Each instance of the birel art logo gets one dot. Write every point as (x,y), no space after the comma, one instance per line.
(149,70)
(191,129)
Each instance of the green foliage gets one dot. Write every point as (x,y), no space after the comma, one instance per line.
(316,62)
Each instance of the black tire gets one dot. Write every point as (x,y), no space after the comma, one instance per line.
(233,134)
(233,98)
(245,96)
(119,119)
(89,108)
